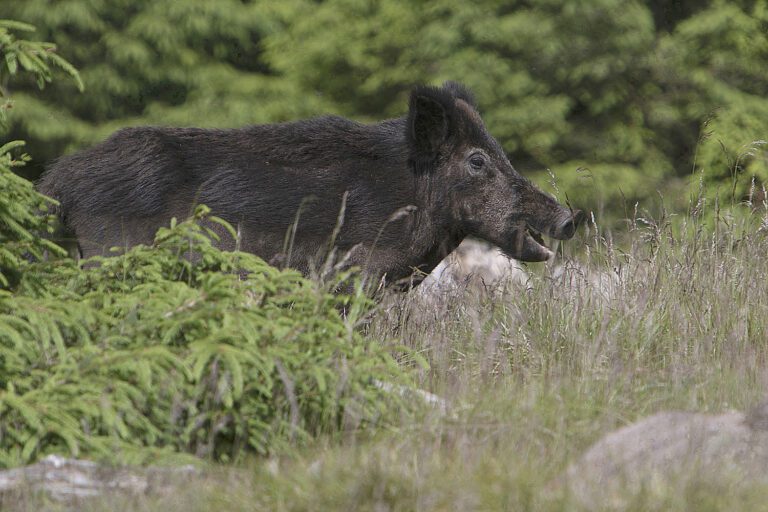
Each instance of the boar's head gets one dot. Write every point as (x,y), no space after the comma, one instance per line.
(471,183)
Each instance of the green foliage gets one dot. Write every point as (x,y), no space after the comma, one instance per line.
(34,58)
(193,62)
(182,348)
(21,220)
(722,49)
(22,209)
(619,88)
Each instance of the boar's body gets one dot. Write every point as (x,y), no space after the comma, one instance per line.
(267,179)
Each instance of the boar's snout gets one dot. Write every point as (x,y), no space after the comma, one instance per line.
(567,227)
(524,242)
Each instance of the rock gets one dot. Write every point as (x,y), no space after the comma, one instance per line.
(70,480)
(671,448)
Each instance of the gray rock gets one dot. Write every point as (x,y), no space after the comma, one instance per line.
(69,480)
(671,448)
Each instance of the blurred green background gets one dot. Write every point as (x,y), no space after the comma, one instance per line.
(610,102)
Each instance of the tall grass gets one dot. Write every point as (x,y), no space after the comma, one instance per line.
(673,317)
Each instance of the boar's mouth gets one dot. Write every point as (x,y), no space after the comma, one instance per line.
(527,244)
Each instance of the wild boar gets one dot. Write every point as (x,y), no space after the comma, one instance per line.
(394,197)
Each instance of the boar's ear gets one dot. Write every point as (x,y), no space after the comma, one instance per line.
(428,124)
(460,92)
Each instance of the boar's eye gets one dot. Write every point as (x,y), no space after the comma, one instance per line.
(477,161)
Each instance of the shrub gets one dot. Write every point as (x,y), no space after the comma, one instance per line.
(177,348)
(180,347)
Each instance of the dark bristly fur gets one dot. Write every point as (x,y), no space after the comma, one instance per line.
(120,191)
